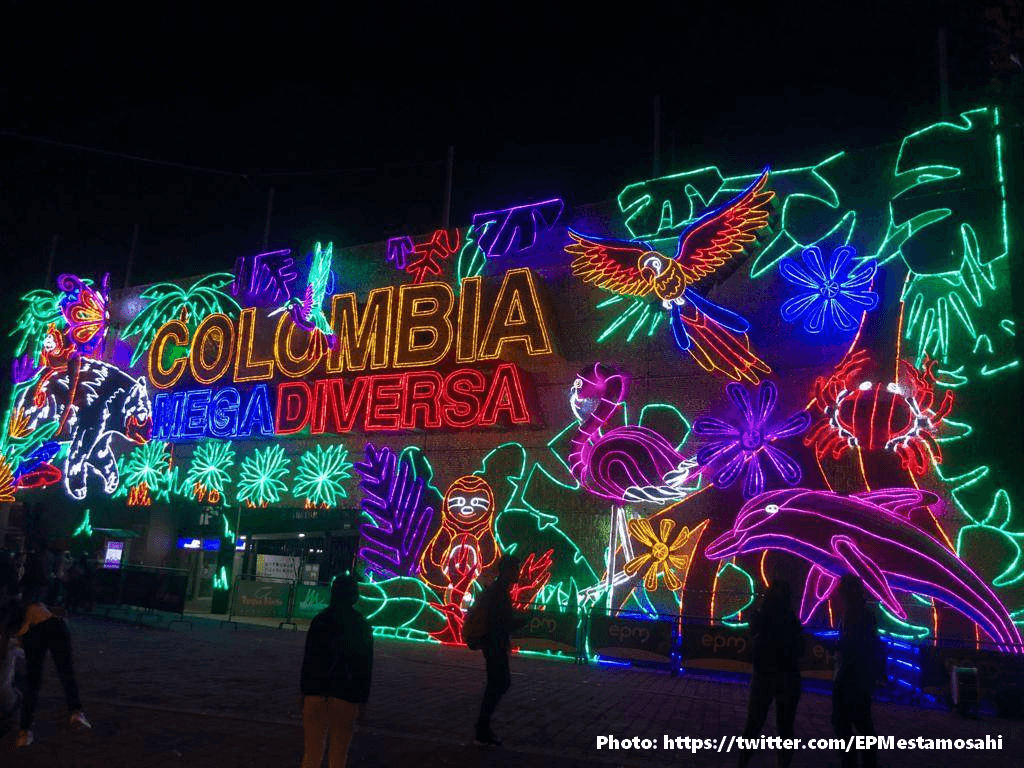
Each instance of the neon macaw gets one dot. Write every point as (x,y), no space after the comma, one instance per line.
(713,335)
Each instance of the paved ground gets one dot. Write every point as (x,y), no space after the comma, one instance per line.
(214,696)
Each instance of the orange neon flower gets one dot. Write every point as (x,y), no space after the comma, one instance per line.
(661,556)
(18,427)
(6,481)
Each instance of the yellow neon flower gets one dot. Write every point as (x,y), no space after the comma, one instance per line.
(663,557)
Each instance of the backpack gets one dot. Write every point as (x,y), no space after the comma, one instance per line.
(474,627)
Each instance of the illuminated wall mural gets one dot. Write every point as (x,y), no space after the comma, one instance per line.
(518,386)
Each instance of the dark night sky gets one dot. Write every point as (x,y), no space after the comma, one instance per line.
(348,113)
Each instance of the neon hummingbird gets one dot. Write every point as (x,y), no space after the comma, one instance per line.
(307,312)
(713,335)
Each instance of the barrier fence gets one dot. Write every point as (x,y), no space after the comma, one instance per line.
(147,589)
(666,641)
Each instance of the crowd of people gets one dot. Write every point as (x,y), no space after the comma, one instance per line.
(338,658)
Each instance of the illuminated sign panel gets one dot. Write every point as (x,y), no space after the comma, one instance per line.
(797,372)
(438,357)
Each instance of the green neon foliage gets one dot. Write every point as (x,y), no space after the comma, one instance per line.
(472,258)
(320,475)
(208,476)
(220,580)
(262,477)
(168,301)
(40,310)
(84,528)
(148,464)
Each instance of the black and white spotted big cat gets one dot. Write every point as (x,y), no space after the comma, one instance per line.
(95,403)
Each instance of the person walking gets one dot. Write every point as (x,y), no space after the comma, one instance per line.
(335,678)
(860,659)
(777,645)
(500,621)
(41,632)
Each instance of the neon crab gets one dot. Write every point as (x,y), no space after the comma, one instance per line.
(899,416)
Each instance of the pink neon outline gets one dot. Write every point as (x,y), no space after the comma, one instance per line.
(979,604)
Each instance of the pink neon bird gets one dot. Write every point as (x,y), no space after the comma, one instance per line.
(628,463)
(870,535)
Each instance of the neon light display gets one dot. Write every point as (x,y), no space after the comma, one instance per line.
(223,413)
(167,301)
(264,279)
(838,291)
(714,336)
(262,478)
(145,469)
(628,463)
(210,472)
(513,230)
(739,446)
(85,312)
(307,313)
(93,404)
(425,258)
(319,476)
(897,416)
(665,556)
(873,536)
(398,250)
(41,311)
(465,368)
(400,518)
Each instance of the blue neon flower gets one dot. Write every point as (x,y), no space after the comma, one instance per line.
(739,447)
(839,290)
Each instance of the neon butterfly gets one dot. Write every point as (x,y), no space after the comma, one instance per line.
(85,310)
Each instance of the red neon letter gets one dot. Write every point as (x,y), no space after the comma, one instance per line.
(506,394)
(292,407)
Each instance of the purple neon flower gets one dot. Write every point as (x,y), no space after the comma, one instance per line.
(739,447)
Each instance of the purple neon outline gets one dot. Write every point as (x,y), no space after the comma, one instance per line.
(727,455)
(741,542)
(383,469)
(398,250)
(586,446)
(515,217)
(264,285)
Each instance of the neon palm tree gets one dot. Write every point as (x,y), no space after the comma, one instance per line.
(168,301)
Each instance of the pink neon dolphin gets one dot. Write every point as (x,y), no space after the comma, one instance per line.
(870,535)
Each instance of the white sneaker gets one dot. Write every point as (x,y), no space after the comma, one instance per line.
(79,719)
(24,739)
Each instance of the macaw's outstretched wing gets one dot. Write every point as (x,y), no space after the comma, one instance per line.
(720,234)
(609,264)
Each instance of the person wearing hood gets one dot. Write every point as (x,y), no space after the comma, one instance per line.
(335,677)
(777,645)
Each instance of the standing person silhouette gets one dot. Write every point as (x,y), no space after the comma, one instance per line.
(501,621)
(859,659)
(777,646)
(335,678)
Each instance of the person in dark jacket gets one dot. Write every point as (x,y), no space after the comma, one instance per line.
(497,644)
(335,678)
(858,661)
(777,644)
